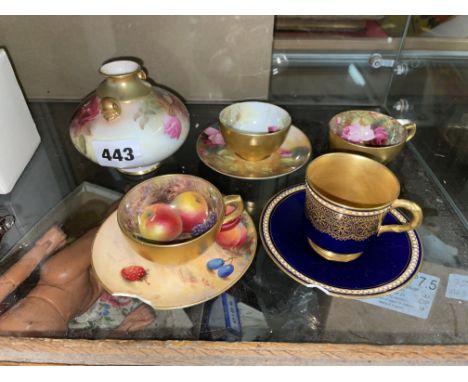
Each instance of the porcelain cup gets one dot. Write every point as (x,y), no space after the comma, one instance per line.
(164,190)
(375,135)
(254,130)
(347,198)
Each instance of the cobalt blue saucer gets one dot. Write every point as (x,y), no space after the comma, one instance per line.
(388,264)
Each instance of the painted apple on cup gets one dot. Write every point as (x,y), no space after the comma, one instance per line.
(192,207)
(160,222)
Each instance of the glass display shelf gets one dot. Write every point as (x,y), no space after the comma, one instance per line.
(62,187)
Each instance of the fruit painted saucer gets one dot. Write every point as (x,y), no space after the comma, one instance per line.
(122,272)
(291,156)
(390,263)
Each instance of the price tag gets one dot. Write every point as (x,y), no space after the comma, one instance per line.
(120,154)
(414,300)
(457,287)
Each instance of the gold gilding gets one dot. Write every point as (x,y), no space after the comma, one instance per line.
(352,181)
(262,141)
(178,253)
(117,88)
(332,256)
(253,146)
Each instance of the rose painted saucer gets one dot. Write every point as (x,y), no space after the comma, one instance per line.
(388,264)
(291,156)
(170,287)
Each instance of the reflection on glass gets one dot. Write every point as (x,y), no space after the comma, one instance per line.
(328,59)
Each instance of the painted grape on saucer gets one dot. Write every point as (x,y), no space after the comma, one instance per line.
(293,154)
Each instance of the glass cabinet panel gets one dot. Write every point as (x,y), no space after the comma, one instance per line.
(431,90)
(335,59)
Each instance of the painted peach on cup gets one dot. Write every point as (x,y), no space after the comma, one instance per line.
(192,208)
(234,237)
(160,222)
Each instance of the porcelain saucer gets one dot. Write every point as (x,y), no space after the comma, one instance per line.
(388,264)
(291,156)
(169,287)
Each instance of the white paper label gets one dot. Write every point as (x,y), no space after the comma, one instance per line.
(457,287)
(414,300)
(120,154)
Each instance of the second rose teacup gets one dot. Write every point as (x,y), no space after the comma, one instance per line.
(375,135)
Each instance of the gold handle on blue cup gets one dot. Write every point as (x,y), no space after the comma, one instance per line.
(410,131)
(236,202)
(416,217)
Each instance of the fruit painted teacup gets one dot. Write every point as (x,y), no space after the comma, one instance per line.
(171,219)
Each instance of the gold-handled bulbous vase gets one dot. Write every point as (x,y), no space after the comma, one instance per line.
(127,123)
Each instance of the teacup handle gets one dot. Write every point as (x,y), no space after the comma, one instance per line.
(416,220)
(410,130)
(236,202)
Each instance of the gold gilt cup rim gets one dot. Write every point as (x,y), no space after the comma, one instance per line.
(348,167)
(223,120)
(156,244)
(333,122)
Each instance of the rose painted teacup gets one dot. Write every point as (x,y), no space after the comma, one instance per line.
(172,219)
(347,198)
(375,135)
(254,130)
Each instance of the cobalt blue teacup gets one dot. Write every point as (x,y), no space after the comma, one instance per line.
(347,197)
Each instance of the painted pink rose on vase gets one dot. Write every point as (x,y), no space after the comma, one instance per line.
(172,126)
(87,113)
(214,136)
(356,133)
(380,136)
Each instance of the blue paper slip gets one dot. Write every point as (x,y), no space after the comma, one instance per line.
(414,300)
(457,287)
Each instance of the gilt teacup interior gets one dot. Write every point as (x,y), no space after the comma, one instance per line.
(255,117)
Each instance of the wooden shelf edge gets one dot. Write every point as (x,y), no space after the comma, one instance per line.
(127,352)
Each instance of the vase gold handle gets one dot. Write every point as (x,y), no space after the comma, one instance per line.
(141,74)
(410,130)
(234,201)
(110,108)
(416,217)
